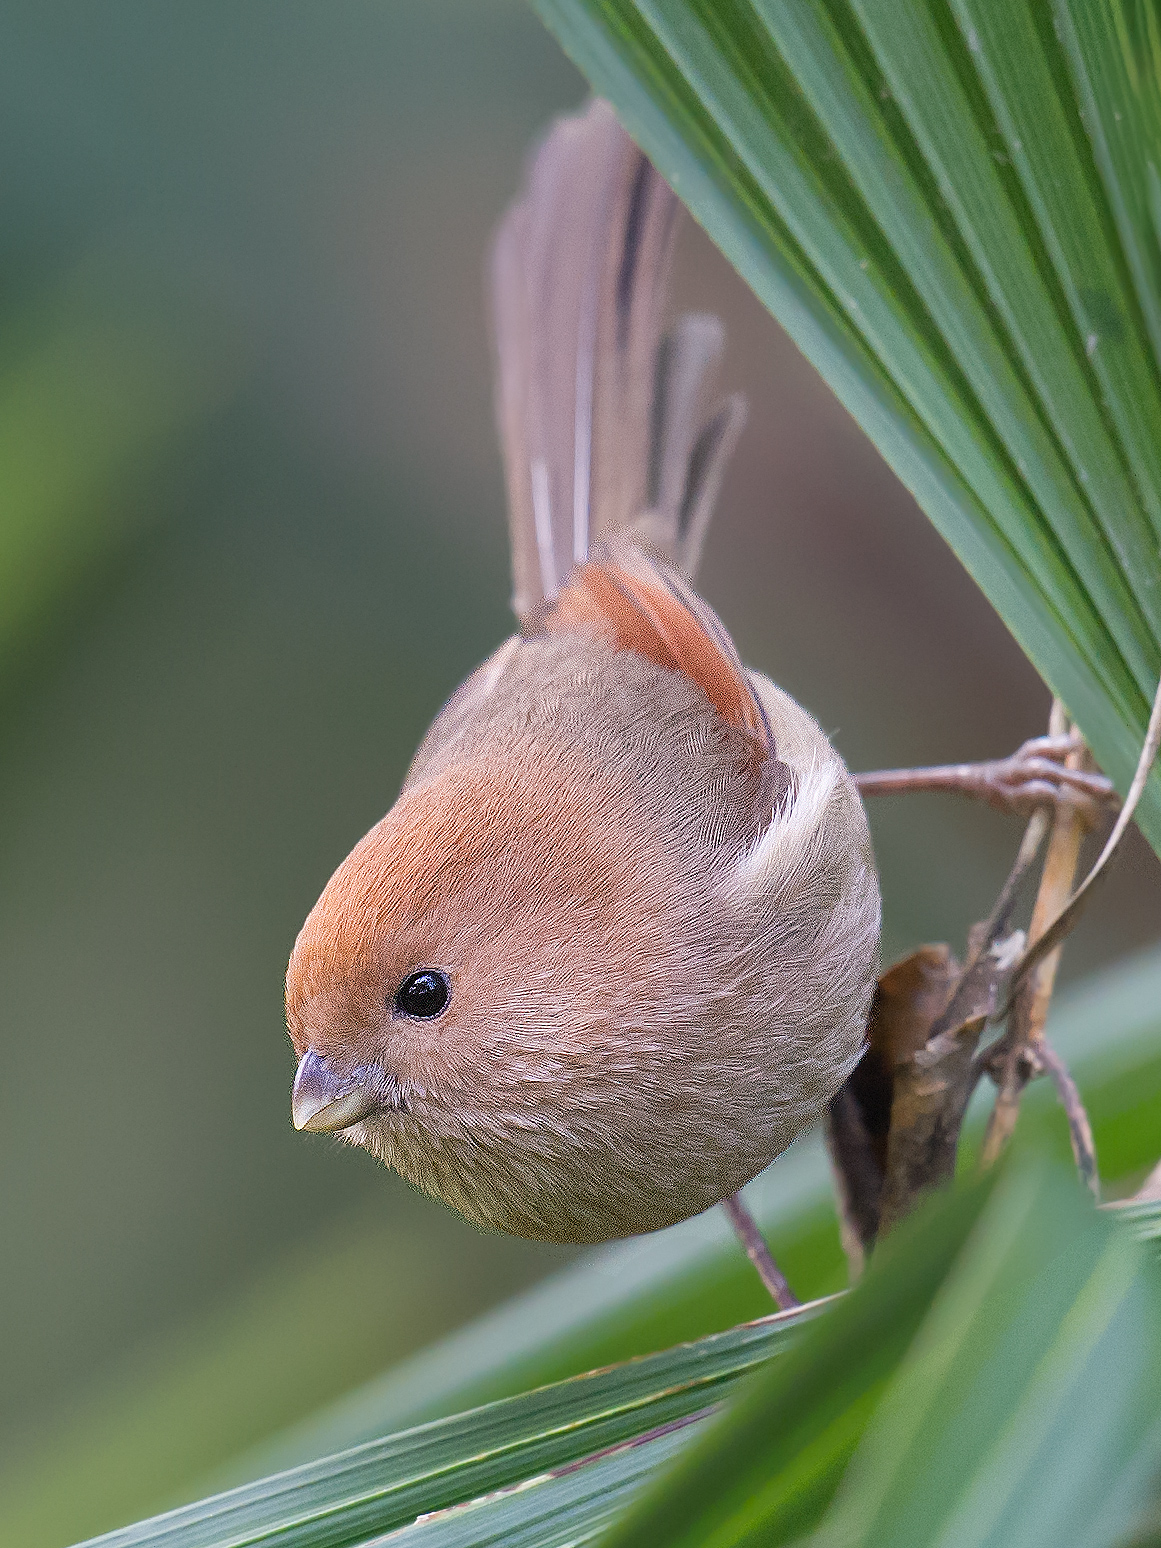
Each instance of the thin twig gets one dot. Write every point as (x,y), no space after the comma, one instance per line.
(1067,916)
(1018,1059)
(1035,833)
(1079,1128)
(758,1253)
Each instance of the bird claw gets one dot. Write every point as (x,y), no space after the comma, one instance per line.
(1037,775)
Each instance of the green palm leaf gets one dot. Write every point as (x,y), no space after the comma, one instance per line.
(1022,1411)
(387,1483)
(944,1312)
(952,209)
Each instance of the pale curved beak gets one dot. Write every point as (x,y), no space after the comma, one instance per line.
(324,1099)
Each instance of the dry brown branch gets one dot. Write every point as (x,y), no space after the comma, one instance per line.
(933,1087)
(894,1128)
(1016,1058)
(1066,919)
(908,998)
(1079,1128)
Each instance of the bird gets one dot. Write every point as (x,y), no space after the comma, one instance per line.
(614,946)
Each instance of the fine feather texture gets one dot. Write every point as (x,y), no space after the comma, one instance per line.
(629,601)
(692,439)
(605,427)
(643,872)
(643,1015)
(635,602)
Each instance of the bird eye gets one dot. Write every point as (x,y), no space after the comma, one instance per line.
(423,994)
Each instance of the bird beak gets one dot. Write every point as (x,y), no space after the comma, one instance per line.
(324,1100)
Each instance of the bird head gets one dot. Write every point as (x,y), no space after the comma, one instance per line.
(469,972)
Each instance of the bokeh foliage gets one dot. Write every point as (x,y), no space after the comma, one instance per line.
(355,580)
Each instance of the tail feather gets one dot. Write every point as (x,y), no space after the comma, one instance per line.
(603,423)
(689,452)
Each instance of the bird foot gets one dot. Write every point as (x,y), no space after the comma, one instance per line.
(1035,775)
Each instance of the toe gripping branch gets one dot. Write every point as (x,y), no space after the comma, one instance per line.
(1052,770)
(893,1128)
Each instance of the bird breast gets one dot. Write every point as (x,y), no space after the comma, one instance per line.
(673,977)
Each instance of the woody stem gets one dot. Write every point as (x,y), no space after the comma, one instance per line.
(1024,1050)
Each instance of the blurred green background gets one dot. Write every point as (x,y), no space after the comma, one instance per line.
(251,536)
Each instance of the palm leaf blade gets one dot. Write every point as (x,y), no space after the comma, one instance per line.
(1020,1408)
(385,1484)
(844,156)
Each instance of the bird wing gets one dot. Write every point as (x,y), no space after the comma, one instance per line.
(636,603)
(606,427)
(629,601)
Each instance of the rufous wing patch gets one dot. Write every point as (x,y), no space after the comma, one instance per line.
(637,604)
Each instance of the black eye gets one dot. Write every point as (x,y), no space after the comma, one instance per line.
(425,994)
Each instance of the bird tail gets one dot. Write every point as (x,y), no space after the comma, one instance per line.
(608,428)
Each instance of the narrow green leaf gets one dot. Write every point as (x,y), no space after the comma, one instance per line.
(932,74)
(754,96)
(512,1471)
(777,1457)
(883,186)
(1033,1383)
(1114,50)
(1016,1402)
(555,1510)
(384,1484)
(939,284)
(1023,70)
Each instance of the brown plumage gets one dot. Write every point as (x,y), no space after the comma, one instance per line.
(614,945)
